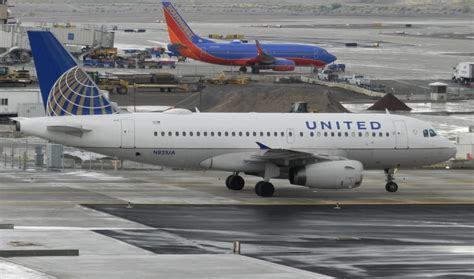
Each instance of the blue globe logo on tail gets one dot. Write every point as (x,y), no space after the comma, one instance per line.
(65,88)
(74,93)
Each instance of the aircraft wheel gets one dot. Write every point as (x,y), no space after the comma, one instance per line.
(391,187)
(235,182)
(264,189)
(243,69)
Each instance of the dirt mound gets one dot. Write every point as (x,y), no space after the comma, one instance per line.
(391,103)
(263,98)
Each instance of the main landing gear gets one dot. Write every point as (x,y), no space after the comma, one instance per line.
(264,189)
(243,69)
(235,182)
(391,186)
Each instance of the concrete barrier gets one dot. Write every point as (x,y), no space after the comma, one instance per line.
(7,226)
(38,253)
(346,86)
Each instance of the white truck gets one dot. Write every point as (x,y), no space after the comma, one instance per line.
(358,80)
(464,73)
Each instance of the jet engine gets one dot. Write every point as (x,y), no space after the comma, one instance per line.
(344,174)
(281,65)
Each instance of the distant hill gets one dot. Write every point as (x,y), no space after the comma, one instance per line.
(145,10)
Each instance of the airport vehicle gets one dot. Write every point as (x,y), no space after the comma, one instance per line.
(109,82)
(336,67)
(276,57)
(327,75)
(21,77)
(327,150)
(358,80)
(464,73)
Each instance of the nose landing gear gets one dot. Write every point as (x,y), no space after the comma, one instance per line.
(391,186)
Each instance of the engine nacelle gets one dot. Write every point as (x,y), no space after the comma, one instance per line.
(282,65)
(344,174)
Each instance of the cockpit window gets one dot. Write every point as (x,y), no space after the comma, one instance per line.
(429,133)
(426,133)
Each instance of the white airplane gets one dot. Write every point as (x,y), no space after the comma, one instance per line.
(319,150)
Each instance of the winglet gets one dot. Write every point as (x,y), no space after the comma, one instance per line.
(262,146)
(259,48)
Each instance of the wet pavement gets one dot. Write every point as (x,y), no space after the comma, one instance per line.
(356,241)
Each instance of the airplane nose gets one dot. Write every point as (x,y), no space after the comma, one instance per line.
(331,58)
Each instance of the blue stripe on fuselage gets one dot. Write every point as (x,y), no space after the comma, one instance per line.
(249,51)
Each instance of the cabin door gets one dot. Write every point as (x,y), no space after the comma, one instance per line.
(290,135)
(128,133)
(401,134)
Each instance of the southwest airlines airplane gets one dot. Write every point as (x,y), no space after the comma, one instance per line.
(316,150)
(277,57)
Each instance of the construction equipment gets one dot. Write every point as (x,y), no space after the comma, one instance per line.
(15,77)
(221,79)
(110,82)
(301,107)
(104,53)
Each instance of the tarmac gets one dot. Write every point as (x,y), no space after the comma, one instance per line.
(182,224)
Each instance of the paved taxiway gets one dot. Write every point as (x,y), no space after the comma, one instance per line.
(182,224)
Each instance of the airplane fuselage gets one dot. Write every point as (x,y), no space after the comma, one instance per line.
(189,140)
(243,54)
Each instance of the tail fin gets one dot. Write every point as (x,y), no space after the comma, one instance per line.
(66,89)
(178,30)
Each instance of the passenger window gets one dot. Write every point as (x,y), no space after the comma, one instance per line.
(325,134)
(380,134)
(233,134)
(226,134)
(332,134)
(339,134)
(205,134)
(254,134)
(198,134)
(275,134)
(247,134)
(425,133)
(290,134)
(360,134)
(387,134)
(163,134)
(170,134)
(212,134)
(156,134)
(190,134)
(268,134)
(301,134)
(240,134)
(318,134)
(282,134)
(219,134)
(353,134)
(374,134)
(311,134)
(184,134)
(432,133)
(177,134)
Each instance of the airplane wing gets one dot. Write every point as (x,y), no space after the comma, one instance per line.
(288,157)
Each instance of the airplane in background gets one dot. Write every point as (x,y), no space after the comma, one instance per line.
(277,57)
(316,150)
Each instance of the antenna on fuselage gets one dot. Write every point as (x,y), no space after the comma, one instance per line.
(386,111)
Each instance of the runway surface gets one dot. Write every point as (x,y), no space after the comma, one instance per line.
(183,224)
(352,242)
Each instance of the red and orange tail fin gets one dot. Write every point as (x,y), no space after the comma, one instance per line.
(178,30)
